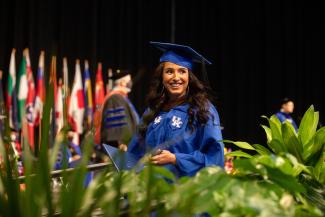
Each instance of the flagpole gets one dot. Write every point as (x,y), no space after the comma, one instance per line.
(54,82)
(66,90)
(29,104)
(41,66)
(24,133)
(88,96)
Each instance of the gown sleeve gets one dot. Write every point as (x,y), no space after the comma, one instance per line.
(135,146)
(210,148)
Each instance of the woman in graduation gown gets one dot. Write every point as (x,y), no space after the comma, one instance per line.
(180,126)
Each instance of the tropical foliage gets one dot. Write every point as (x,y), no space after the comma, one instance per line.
(284,178)
(293,161)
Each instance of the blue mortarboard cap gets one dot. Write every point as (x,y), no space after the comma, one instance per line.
(179,54)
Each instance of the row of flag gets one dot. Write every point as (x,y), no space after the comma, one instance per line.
(24,99)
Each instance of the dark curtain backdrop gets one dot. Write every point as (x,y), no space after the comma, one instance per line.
(261,51)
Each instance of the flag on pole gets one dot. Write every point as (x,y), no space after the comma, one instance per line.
(22,89)
(99,100)
(88,97)
(11,95)
(53,82)
(29,106)
(55,86)
(40,93)
(59,107)
(77,105)
(12,107)
(52,100)
(99,88)
(66,91)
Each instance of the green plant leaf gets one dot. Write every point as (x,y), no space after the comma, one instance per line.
(286,181)
(276,121)
(162,172)
(238,154)
(276,162)
(308,125)
(240,144)
(72,196)
(297,167)
(268,160)
(277,147)
(59,140)
(320,165)
(291,141)
(261,149)
(43,168)
(268,133)
(275,126)
(322,176)
(33,199)
(246,166)
(11,196)
(314,145)
(314,192)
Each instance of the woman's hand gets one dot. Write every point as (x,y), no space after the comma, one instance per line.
(164,157)
(123,147)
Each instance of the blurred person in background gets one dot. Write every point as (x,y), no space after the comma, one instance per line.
(119,117)
(286,109)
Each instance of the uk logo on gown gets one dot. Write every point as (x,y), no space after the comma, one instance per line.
(157,120)
(177,122)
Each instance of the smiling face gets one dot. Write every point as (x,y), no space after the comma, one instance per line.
(175,79)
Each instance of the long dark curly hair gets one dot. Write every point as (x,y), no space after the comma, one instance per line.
(197,97)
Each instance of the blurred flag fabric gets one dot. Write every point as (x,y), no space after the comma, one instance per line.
(88,97)
(77,105)
(29,106)
(22,89)
(99,88)
(40,93)
(59,121)
(11,94)
(66,91)
(99,100)
(55,91)
(12,106)
(53,96)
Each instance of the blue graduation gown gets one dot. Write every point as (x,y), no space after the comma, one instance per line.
(194,150)
(282,116)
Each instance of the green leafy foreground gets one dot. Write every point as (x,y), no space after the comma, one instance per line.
(283,178)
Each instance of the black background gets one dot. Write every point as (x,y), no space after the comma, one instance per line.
(261,51)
